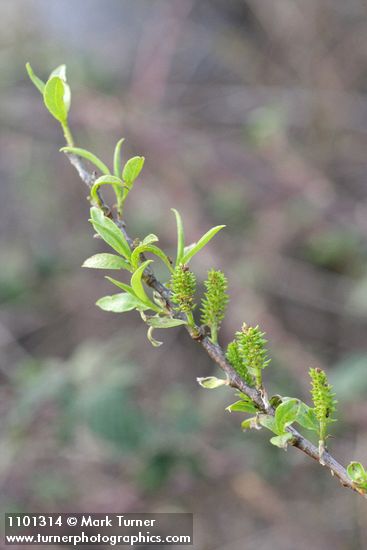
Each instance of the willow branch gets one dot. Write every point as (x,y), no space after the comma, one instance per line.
(217,355)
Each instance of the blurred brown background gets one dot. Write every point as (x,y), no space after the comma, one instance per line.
(252,114)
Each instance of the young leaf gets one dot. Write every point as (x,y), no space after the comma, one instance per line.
(276,400)
(201,243)
(152,340)
(60,71)
(188,248)
(109,232)
(307,418)
(242,406)
(132,169)
(357,473)
(121,285)
(286,413)
(145,304)
(116,183)
(268,422)
(282,440)
(211,382)
(119,303)
(153,250)
(106,261)
(97,215)
(117,166)
(88,156)
(110,236)
(137,286)
(149,239)
(40,85)
(251,424)
(180,237)
(165,322)
(55,96)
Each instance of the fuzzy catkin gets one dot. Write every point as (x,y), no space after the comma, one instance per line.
(248,355)
(183,286)
(215,300)
(322,396)
(234,357)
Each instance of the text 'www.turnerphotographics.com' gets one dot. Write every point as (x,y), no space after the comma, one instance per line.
(95,529)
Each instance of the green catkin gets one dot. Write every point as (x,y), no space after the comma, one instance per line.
(215,301)
(234,357)
(324,403)
(183,285)
(249,354)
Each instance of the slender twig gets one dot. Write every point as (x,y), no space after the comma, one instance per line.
(216,353)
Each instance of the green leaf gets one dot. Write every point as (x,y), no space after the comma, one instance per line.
(307,418)
(116,183)
(97,215)
(40,85)
(88,156)
(268,422)
(357,473)
(117,166)
(153,250)
(286,413)
(109,232)
(201,243)
(152,340)
(188,248)
(149,239)
(180,237)
(250,424)
(242,406)
(60,71)
(111,237)
(132,169)
(211,382)
(142,305)
(119,303)
(106,261)
(165,322)
(136,280)
(281,440)
(275,400)
(122,286)
(138,288)
(55,96)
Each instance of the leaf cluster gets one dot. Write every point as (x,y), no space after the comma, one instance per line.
(56,96)
(134,296)
(289,411)
(358,475)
